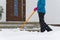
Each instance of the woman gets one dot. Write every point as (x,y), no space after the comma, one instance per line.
(41,12)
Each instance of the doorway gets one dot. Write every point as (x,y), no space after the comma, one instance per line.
(15,10)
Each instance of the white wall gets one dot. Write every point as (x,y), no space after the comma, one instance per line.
(3,4)
(52,11)
(30,5)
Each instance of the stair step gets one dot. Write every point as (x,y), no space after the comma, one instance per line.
(30,26)
(17,24)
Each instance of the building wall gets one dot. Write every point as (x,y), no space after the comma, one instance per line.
(3,4)
(52,11)
(30,4)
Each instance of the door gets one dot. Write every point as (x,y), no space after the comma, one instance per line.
(15,10)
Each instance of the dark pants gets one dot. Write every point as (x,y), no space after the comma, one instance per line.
(43,24)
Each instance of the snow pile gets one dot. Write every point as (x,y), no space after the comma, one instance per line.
(15,34)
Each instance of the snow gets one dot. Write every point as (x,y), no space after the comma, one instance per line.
(16,34)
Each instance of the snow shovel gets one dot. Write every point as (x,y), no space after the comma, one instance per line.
(22,26)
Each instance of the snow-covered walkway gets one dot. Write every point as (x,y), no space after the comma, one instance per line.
(15,34)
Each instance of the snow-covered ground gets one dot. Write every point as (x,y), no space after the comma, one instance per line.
(15,34)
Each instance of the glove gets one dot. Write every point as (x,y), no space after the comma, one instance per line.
(35,8)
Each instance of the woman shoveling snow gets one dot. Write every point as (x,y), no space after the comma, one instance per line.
(41,13)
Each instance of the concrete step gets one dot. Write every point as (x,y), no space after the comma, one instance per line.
(30,26)
(17,24)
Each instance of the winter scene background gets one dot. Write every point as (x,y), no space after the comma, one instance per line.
(52,17)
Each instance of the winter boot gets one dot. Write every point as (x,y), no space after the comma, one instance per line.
(48,28)
(42,28)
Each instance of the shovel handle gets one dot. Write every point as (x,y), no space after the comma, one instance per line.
(27,19)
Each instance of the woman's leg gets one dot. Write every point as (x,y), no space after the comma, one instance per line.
(41,21)
(43,25)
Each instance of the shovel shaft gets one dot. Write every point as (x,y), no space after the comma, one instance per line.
(27,19)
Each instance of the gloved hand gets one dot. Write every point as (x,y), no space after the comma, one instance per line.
(35,8)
